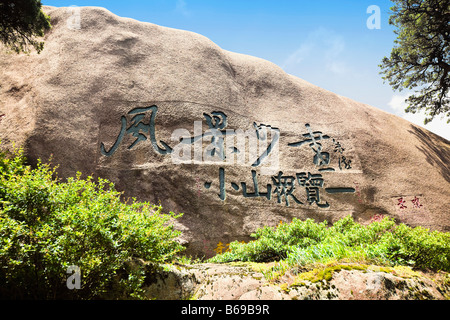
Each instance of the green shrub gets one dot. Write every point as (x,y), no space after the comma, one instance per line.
(418,247)
(47,226)
(381,242)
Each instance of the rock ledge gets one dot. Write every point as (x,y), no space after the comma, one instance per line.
(247,282)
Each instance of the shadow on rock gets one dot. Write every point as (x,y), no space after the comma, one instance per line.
(435,148)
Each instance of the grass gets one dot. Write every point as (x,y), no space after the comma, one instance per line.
(307,243)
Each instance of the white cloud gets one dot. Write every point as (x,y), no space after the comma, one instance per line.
(337,67)
(181,7)
(322,47)
(438,126)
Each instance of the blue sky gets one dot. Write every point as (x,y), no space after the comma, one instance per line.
(325,42)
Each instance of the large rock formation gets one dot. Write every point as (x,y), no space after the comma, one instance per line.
(115,98)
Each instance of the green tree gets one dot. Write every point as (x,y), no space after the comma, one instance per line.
(420,58)
(21,23)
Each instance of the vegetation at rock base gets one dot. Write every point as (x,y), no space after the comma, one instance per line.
(383,242)
(47,225)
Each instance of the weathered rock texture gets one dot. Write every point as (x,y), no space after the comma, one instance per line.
(227,282)
(105,100)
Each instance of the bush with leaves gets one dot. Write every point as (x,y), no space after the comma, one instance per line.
(381,242)
(274,244)
(22,22)
(47,225)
